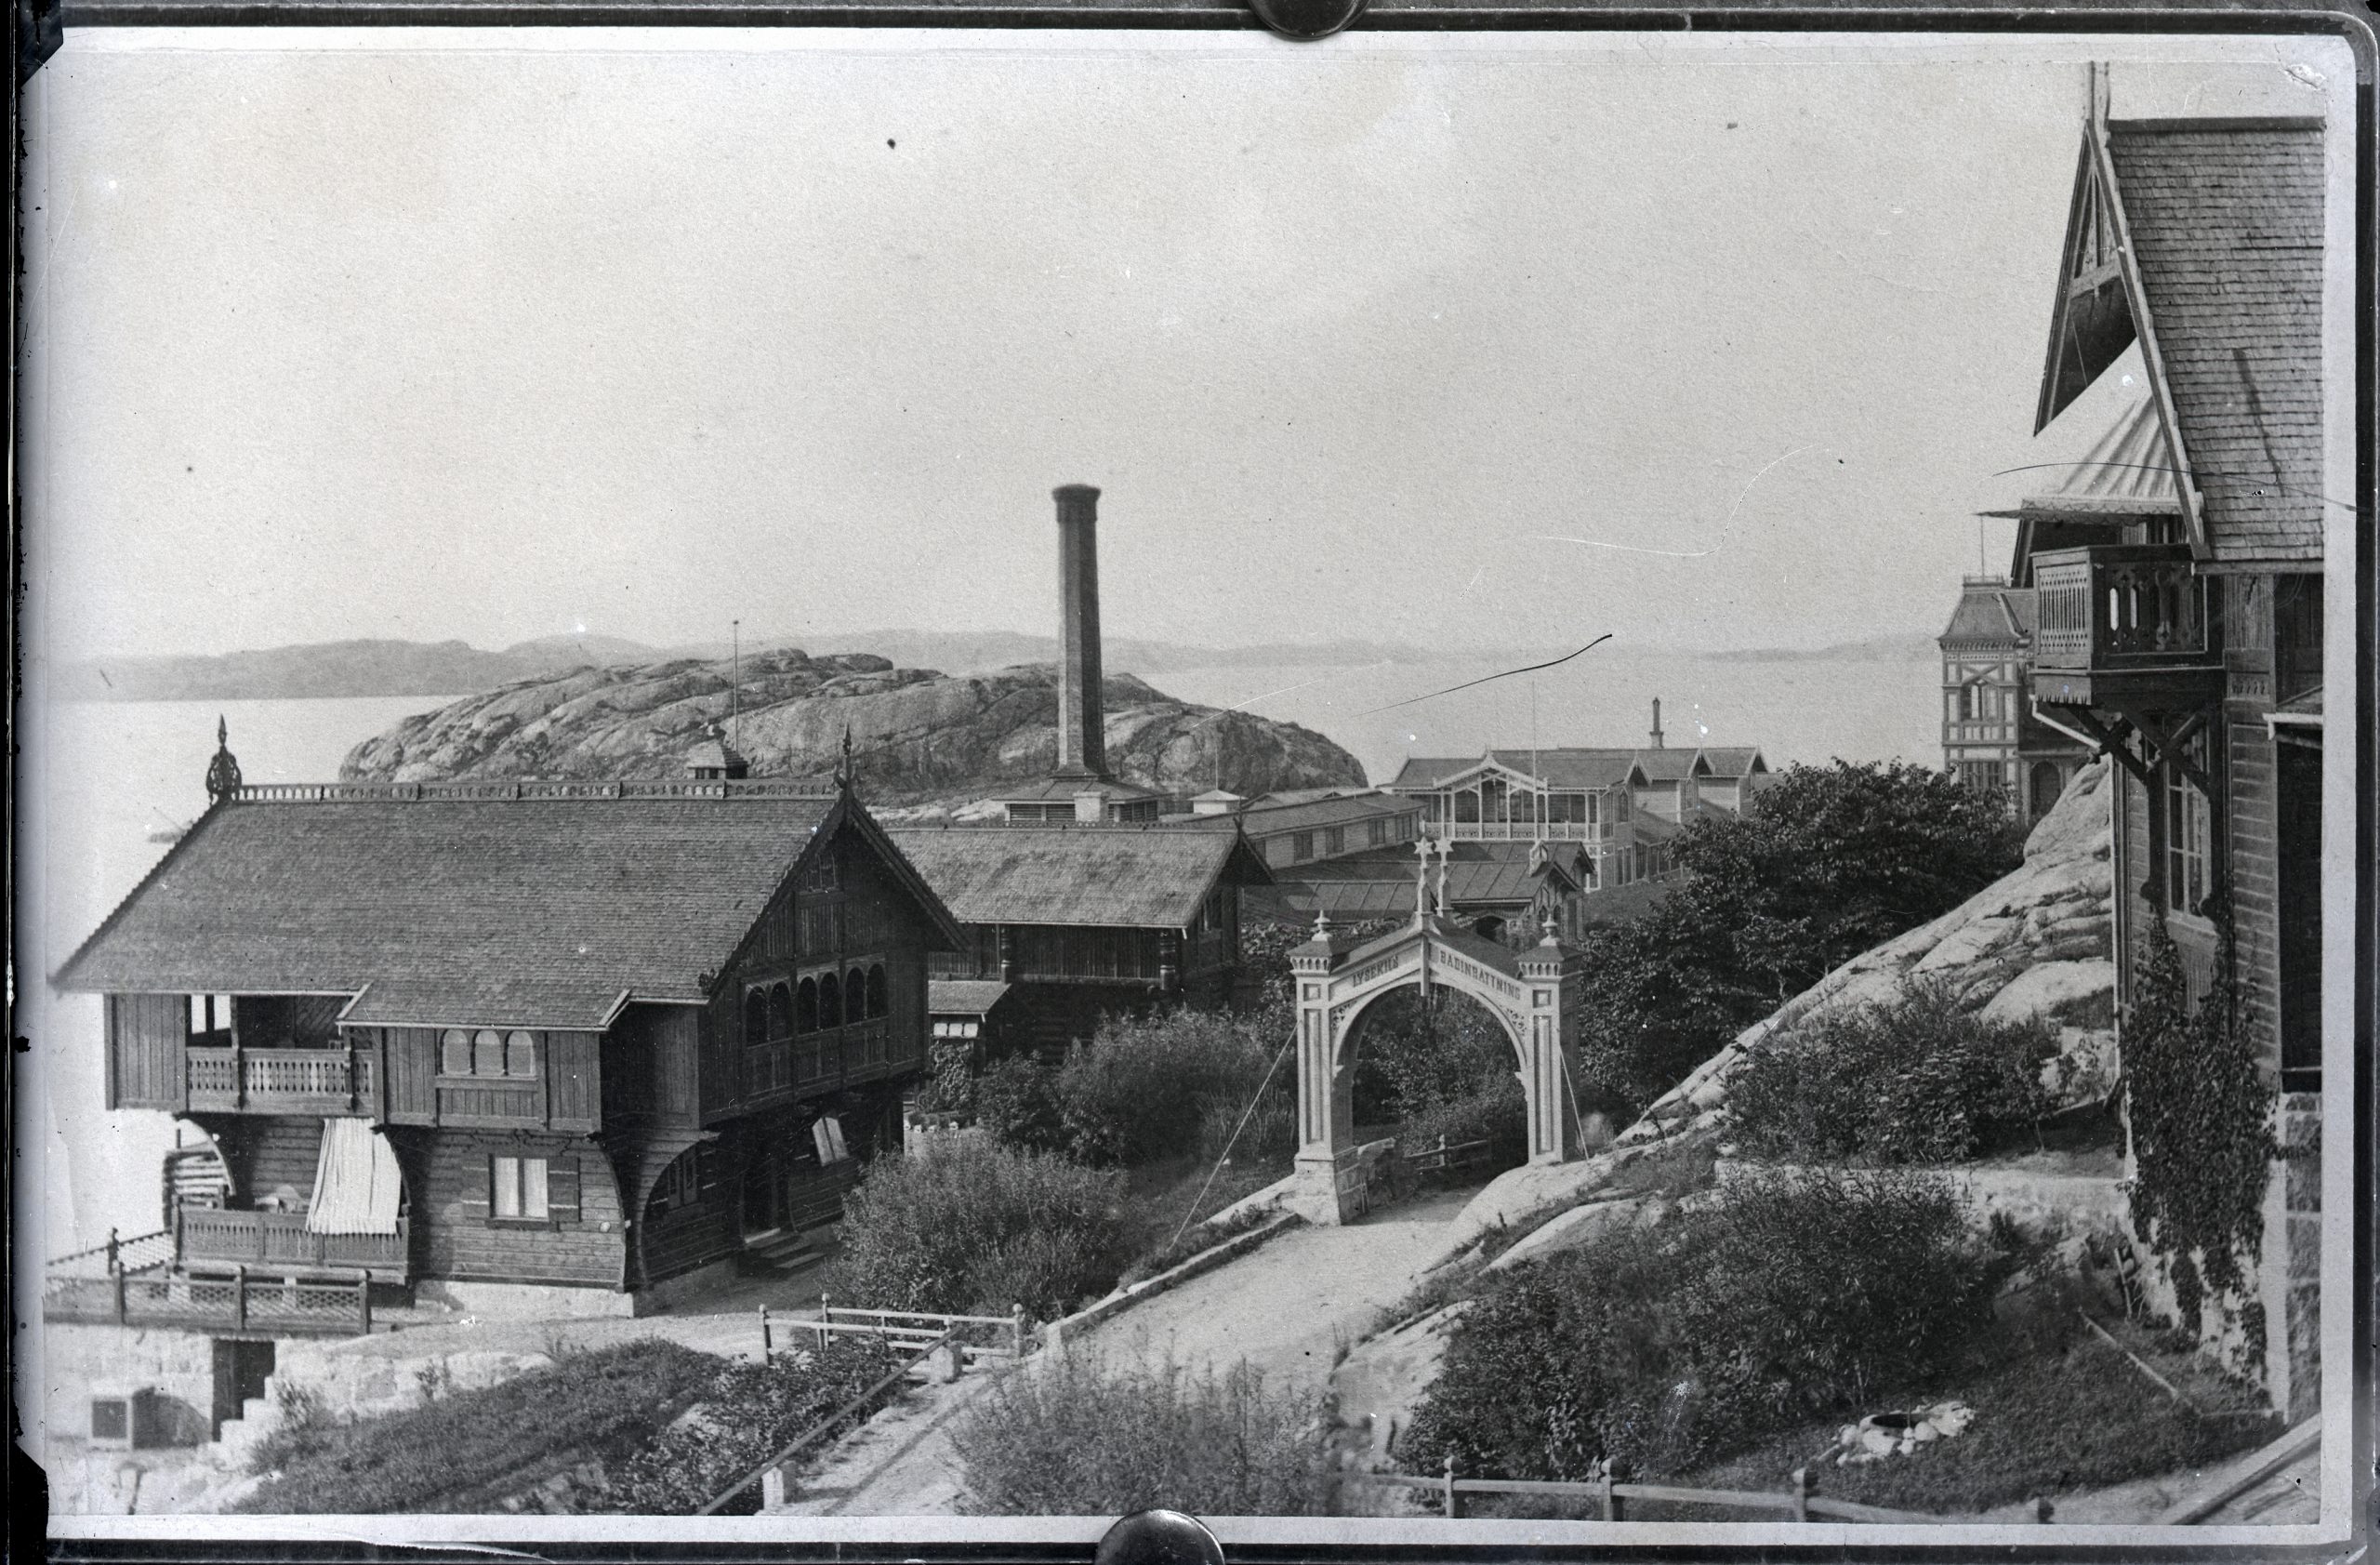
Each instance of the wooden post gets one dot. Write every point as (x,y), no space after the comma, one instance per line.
(772,1490)
(1454,1497)
(1016,1328)
(2043,1509)
(1610,1498)
(823,1311)
(364,1304)
(764,1333)
(116,1279)
(289,1293)
(115,1261)
(1800,1494)
(239,1298)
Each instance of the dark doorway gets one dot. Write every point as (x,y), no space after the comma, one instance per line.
(2047,786)
(241,1370)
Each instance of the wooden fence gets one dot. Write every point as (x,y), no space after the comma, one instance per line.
(237,1303)
(1801,1502)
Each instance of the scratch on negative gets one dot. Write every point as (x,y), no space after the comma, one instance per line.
(1725,526)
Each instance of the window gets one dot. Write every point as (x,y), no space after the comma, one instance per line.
(487,1052)
(2190,833)
(1375,832)
(805,1006)
(879,998)
(1302,847)
(519,1188)
(830,1001)
(678,1186)
(454,1053)
(520,1055)
(1334,841)
(755,1017)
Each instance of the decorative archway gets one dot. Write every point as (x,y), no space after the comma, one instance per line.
(1535,993)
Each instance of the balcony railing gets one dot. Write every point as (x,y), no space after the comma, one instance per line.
(816,1060)
(239,1303)
(281,1081)
(213,1239)
(2120,623)
(1515,831)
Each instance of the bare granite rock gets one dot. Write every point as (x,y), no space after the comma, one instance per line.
(916,735)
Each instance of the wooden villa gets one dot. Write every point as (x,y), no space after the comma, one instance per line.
(540,1047)
(2181,626)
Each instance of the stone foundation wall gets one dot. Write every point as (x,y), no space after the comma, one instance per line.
(78,1359)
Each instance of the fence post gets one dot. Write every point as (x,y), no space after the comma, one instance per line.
(1454,1499)
(363,1303)
(289,1293)
(1610,1497)
(239,1298)
(1800,1494)
(764,1335)
(115,1279)
(2043,1509)
(824,1312)
(1016,1328)
(115,1262)
(772,1490)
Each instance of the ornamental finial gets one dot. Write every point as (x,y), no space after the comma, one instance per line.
(845,773)
(223,772)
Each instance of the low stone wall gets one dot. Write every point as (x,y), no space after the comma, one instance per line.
(77,1361)
(531,1300)
(1055,1333)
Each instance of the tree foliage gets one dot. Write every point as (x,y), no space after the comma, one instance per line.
(1829,862)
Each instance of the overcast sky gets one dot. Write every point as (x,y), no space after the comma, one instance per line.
(391,334)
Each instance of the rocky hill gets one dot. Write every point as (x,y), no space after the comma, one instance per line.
(918,735)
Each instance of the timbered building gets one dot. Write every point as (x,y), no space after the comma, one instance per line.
(2182,630)
(1074,922)
(510,1044)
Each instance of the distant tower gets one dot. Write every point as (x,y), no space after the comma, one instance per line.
(1657,722)
(1082,726)
(223,772)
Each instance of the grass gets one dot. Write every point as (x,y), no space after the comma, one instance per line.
(1158,1197)
(466,1451)
(608,1418)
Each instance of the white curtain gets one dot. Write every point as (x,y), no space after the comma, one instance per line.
(356,1182)
(828,1133)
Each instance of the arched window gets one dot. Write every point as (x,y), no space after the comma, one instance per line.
(520,1055)
(805,1006)
(781,1011)
(755,1017)
(487,1052)
(879,1002)
(830,1000)
(454,1053)
(855,994)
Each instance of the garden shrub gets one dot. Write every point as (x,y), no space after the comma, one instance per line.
(1016,1103)
(747,1415)
(1087,1437)
(1144,1088)
(1790,1299)
(1495,1112)
(975,1226)
(1914,1080)
(1415,1054)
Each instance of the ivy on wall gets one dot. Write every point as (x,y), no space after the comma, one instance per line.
(2200,1105)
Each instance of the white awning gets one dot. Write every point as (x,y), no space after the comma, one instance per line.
(356,1182)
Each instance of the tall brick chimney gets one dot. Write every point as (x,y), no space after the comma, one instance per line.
(1082,718)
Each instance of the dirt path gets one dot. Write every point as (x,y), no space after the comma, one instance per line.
(1286,1307)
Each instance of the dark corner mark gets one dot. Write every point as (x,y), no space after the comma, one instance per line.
(38,36)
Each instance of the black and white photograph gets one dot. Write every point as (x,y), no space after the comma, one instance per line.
(1481,787)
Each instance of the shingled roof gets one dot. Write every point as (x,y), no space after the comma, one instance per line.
(1991,614)
(455,907)
(2223,225)
(1154,877)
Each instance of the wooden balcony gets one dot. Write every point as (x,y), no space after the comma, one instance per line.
(1515,831)
(817,1062)
(239,1305)
(212,1240)
(2127,628)
(328,1082)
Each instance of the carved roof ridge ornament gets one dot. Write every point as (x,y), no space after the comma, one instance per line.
(1307,19)
(223,772)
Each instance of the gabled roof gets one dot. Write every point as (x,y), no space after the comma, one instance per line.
(1570,767)
(2203,239)
(1731,762)
(1152,877)
(535,904)
(963,997)
(1430,771)
(1666,765)
(2125,473)
(1061,790)
(1990,615)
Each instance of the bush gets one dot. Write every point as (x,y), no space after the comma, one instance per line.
(1830,862)
(747,1415)
(1495,1112)
(1913,1081)
(1081,1436)
(1417,1056)
(1016,1102)
(1147,1086)
(1787,1300)
(467,1450)
(975,1226)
